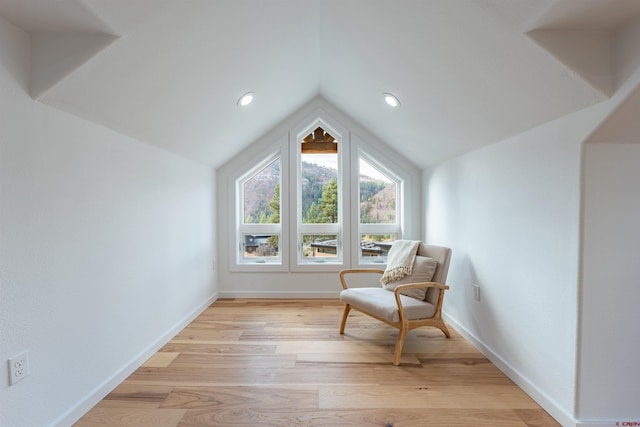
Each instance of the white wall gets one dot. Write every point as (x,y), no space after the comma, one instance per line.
(106,246)
(511,214)
(609,386)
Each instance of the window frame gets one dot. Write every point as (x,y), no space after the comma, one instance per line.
(378,228)
(408,198)
(341,229)
(354,143)
(238,262)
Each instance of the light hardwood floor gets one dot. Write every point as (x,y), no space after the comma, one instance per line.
(283,363)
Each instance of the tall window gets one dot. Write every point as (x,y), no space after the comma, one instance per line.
(319,210)
(378,198)
(260,226)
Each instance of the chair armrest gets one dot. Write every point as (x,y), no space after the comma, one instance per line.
(400,288)
(343,273)
(421,285)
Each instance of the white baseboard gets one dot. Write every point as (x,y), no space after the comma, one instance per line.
(524,383)
(605,424)
(82,407)
(279,294)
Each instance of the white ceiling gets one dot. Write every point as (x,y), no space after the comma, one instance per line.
(468,72)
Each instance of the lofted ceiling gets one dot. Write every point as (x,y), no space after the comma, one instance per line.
(467,72)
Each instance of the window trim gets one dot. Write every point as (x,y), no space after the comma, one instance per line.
(355,143)
(378,228)
(341,229)
(236,259)
(404,205)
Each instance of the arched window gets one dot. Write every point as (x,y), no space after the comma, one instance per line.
(325,200)
(320,209)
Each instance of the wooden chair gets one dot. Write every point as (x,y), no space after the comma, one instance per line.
(399,310)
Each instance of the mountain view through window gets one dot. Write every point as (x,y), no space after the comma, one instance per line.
(319,194)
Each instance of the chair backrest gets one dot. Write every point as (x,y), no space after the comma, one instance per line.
(443,256)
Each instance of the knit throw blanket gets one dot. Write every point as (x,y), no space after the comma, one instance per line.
(400,260)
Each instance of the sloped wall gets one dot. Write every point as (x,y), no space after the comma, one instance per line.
(106,247)
(511,214)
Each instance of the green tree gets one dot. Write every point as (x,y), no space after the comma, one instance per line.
(274,206)
(274,218)
(364,213)
(312,216)
(328,204)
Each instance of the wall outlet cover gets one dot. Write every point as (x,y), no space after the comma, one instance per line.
(476,292)
(18,367)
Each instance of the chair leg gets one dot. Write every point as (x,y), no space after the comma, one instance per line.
(399,344)
(441,325)
(345,313)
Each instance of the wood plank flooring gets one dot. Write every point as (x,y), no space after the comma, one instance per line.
(248,362)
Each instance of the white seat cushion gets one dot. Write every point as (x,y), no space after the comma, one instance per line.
(382,303)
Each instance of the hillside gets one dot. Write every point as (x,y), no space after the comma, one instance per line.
(379,208)
(377,202)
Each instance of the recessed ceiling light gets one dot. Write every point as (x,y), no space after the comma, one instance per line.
(245,99)
(391,100)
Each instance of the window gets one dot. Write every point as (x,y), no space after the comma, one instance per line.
(319,207)
(259,237)
(378,224)
(319,198)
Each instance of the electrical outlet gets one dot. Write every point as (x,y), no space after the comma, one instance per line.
(476,292)
(18,367)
